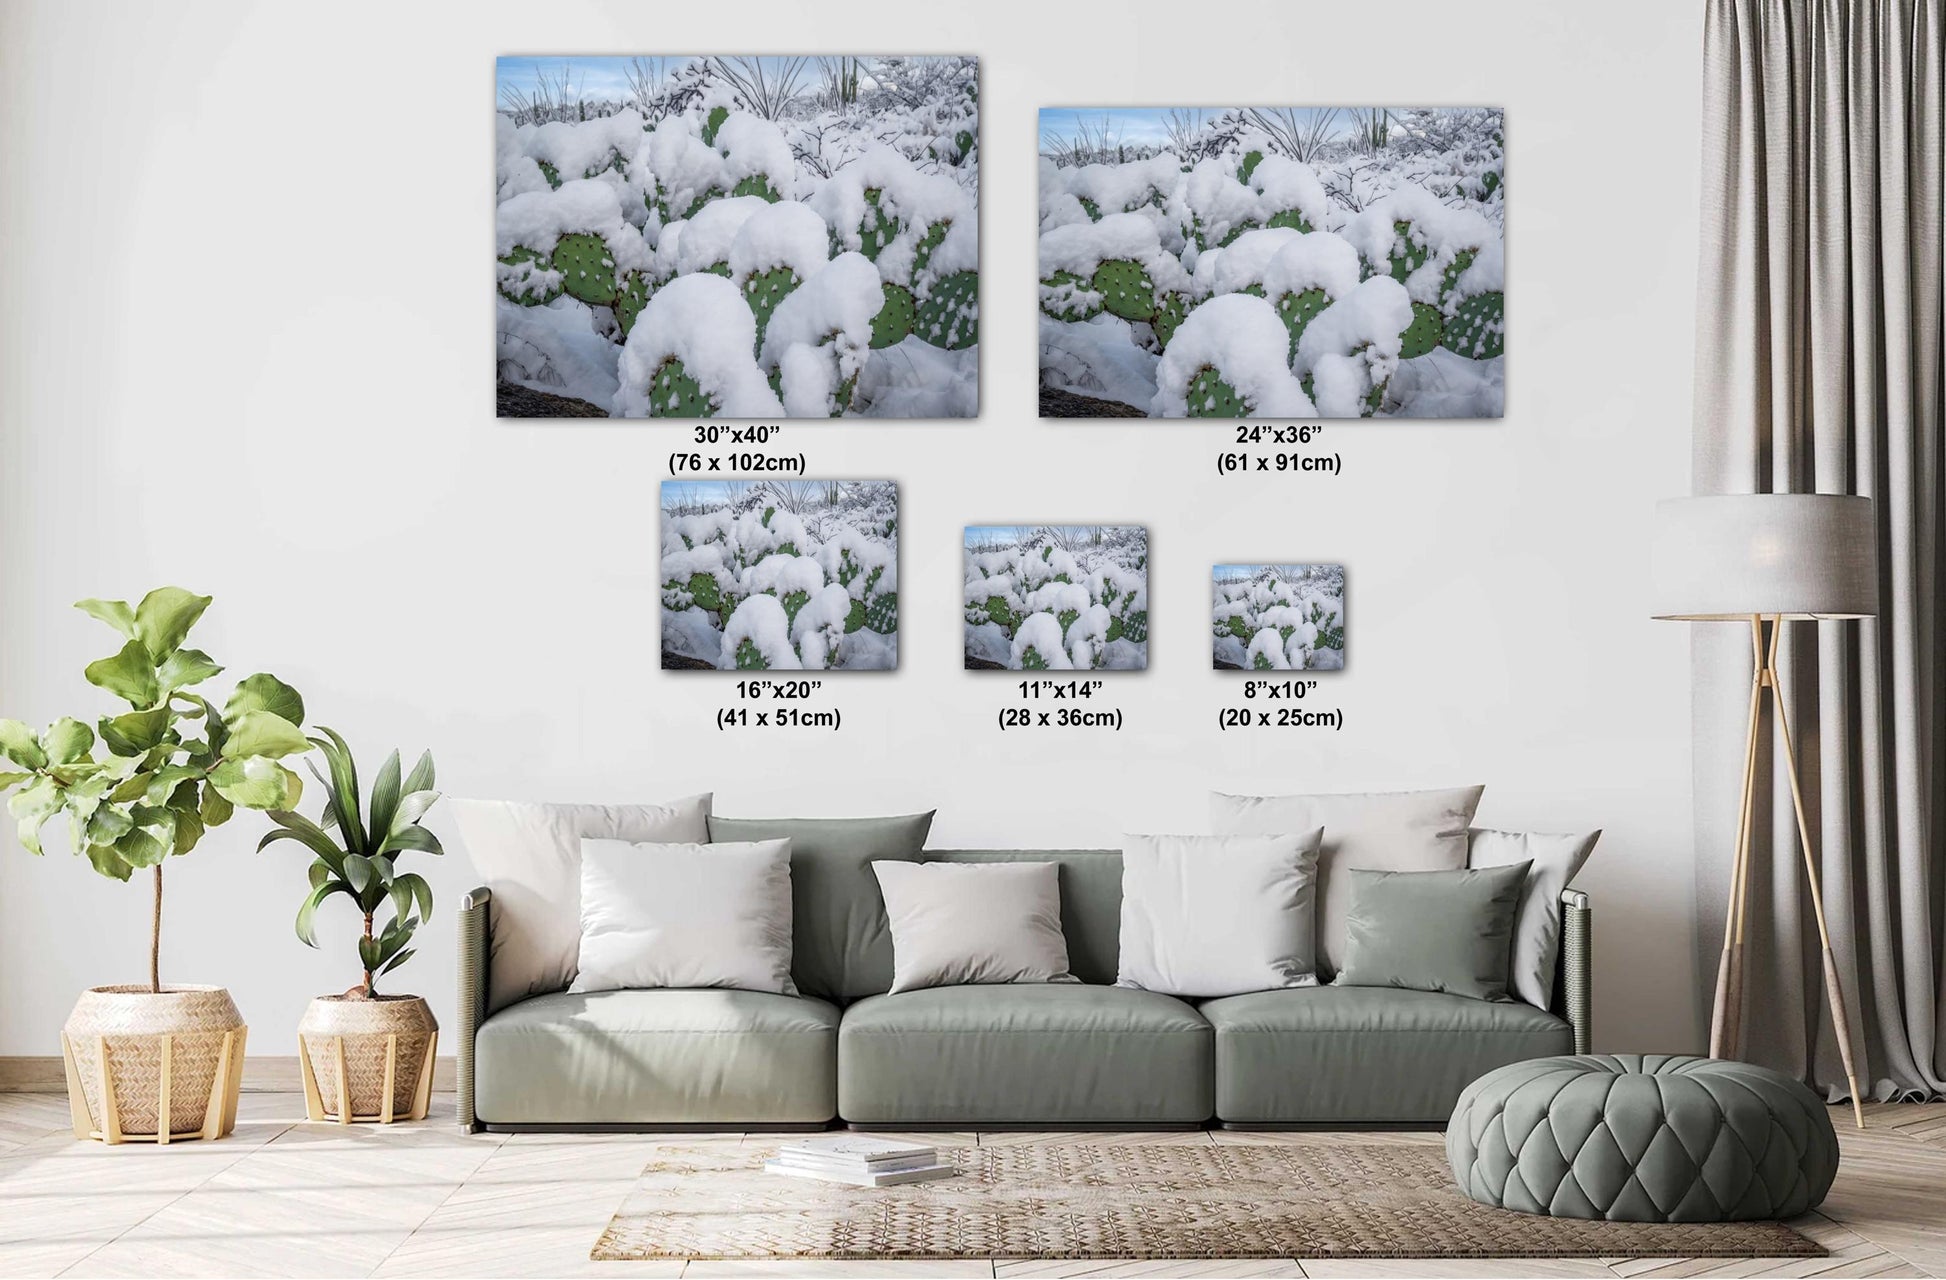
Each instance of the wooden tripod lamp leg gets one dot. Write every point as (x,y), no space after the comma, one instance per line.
(1840,1023)
(1726,1015)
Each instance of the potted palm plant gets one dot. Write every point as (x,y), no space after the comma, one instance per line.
(366,1056)
(148,1061)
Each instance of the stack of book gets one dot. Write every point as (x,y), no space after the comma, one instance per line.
(860,1161)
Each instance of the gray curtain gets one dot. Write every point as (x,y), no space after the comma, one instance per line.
(1818,369)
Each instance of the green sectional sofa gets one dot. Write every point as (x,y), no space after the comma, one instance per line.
(1080,1055)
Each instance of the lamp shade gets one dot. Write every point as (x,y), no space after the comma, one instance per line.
(1793,555)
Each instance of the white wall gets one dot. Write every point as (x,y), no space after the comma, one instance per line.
(245,328)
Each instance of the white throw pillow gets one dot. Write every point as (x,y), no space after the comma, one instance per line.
(1554,857)
(1206,916)
(685,915)
(530,856)
(956,924)
(1366,831)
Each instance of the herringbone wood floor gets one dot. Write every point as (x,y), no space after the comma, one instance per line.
(285,1198)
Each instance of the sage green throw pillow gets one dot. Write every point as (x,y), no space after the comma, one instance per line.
(841,938)
(1447,931)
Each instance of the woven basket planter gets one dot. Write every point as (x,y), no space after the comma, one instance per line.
(377,1053)
(146,1066)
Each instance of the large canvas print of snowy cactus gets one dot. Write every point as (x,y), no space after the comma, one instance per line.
(1277,617)
(1279,263)
(1057,597)
(780,575)
(737,237)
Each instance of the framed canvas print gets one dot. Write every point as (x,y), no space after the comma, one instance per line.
(780,575)
(1057,597)
(737,237)
(1277,617)
(1272,263)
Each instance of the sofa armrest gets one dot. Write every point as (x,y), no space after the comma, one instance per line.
(1574,978)
(474,934)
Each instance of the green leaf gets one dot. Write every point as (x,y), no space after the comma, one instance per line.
(115,613)
(131,789)
(295,826)
(166,781)
(108,824)
(419,893)
(385,795)
(320,873)
(67,740)
(108,860)
(185,667)
(134,732)
(141,848)
(420,779)
(344,789)
(9,779)
(263,733)
(265,692)
(214,810)
(31,807)
(412,807)
(417,839)
(368,953)
(397,960)
(256,782)
(360,873)
(307,914)
(129,675)
(21,745)
(164,617)
(189,829)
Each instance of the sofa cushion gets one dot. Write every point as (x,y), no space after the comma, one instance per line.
(1024,1054)
(843,945)
(658,1057)
(1343,1054)
(1091,901)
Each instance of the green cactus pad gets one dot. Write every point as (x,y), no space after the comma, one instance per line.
(524,286)
(1258,661)
(549,172)
(1297,310)
(927,243)
(1067,618)
(1125,289)
(895,317)
(1031,660)
(706,592)
(1407,257)
(748,659)
(1171,310)
(1251,159)
(1211,397)
(1374,399)
(764,291)
(950,315)
(841,400)
(1424,333)
(963,144)
(1115,630)
(1135,627)
(1090,208)
(1289,218)
(882,613)
(1239,628)
(756,185)
(998,610)
(712,123)
(587,268)
(674,394)
(1477,329)
(1235,231)
(1073,311)
(855,619)
(1448,282)
(878,229)
(792,603)
(631,295)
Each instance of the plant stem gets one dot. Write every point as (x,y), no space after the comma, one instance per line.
(369,979)
(155,937)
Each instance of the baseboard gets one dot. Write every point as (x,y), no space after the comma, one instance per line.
(262,1073)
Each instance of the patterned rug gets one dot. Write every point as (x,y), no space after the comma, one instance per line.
(1101,1200)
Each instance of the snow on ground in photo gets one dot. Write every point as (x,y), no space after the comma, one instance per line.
(1057,597)
(1277,617)
(1275,262)
(739,237)
(780,575)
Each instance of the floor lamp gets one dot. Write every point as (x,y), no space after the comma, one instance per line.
(1763,560)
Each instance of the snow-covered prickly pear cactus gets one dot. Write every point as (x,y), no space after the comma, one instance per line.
(1125,289)
(950,315)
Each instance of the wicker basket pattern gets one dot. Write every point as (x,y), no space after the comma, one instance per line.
(363,1026)
(131,1022)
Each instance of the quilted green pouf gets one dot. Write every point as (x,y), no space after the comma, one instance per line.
(1642,1138)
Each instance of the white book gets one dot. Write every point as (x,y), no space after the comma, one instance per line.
(857,1149)
(891,1164)
(862,1179)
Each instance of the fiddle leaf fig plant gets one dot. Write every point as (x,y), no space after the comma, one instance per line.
(144,785)
(355,850)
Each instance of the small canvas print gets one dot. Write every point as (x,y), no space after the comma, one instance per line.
(1057,597)
(1277,617)
(780,575)
(1283,263)
(737,237)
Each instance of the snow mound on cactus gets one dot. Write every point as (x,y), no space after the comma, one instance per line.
(702,321)
(1320,260)
(785,234)
(1286,184)
(753,147)
(686,168)
(1441,230)
(1241,338)
(1042,634)
(760,620)
(538,219)
(821,334)
(915,200)
(1216,202)
(1081,248)
(1353,345)
(706,239)
(1247,258)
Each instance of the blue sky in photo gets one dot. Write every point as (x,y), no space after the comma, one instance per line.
(1147,124)
(598,77)
(1232,572)
(708,492)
